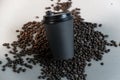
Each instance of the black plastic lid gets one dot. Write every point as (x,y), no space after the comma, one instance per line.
(51,18)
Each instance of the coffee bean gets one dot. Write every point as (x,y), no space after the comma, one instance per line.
(89,44)
(89,64)
(23,70)
(48,8)
(37,17)
(0,62)
(119,44)
(6,45)
(3,69)
(57,8)
(69,0)
(17,30)
(77,8)
(27,58)
(18,71)
(52,5)
(101,63)
(39,77)
(6,55)
(100,25)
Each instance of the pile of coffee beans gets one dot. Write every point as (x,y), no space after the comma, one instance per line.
(32,48)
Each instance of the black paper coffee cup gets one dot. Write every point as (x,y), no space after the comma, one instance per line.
(59,29)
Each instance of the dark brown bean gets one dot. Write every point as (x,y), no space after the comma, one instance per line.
(89,64)
(88,43)
(37,17)
(101,63)
(0,62)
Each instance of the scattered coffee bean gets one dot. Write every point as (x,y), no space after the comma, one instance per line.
(6,45)
(48,8)
(100,25)
(3,69)
(52,5)
(69,0)
(101,63)
(88,44)
(0,62)
(89,64)
(6,55)
(39,77)
(37,17)
(23,70)
(59,0)
(119,44)
(17,30)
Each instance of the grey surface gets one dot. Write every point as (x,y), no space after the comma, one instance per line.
(14,13)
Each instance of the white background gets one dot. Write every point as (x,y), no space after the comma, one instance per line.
(14,13)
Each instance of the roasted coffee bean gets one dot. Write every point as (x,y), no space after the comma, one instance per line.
(89,64)
(3,66)
(119,44)
(6,55)
(17,30)
(0,62)
(23,70)
(101,63)
(57,8)
(5,44)
(48,79)
(89,44)
(39,77)
(77,8)
(52,5)
(3,69)
(100,25)
(18,71)
(27,59)
(37,17)
(48,8)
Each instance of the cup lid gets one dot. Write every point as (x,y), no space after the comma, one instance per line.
(51,17)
